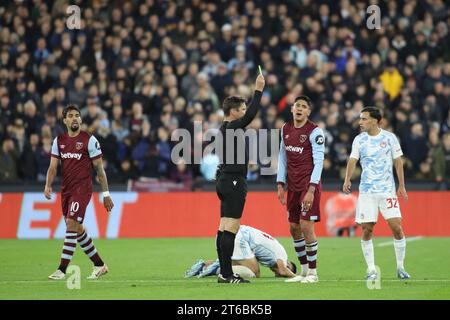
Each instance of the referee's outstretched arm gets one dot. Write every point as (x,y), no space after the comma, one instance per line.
(252,110)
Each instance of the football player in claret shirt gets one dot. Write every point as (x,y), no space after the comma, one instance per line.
(300,164)
(78,152)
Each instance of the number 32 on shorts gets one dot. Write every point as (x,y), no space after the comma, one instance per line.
(392,203)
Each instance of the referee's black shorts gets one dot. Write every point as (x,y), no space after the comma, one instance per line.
(232,191)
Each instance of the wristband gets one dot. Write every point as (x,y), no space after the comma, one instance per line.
(105,194)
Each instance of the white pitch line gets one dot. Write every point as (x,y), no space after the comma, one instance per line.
(212,282)
(390,243)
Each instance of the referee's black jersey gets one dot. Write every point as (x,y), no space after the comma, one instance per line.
(234,167)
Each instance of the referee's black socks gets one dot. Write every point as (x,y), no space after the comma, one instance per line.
(218,245)
(227,248)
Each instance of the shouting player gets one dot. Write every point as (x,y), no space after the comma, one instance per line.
(78,151)
(300,165)
(377,150)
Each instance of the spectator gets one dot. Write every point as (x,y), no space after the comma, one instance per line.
(392,81)
(437,157)
(446,149)
(29,158)
(163,152)
(415,145)
(9,156)
(181,173)
(43,158)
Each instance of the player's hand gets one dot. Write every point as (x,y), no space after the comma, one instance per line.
(308,201)
(108,204)
(281,196)
(402,192)
(48,192)
(347,187)
(260,83)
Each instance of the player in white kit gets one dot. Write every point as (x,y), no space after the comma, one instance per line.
(252,247)
(378,151)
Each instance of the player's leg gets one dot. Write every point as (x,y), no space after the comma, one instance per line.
(87,245)
(230,227)
(220,231)
(240,267)
(293,208)
(210,268)
(311,249)
(299,246)
(70,240)
(390,209)
(196,268)
(399,246)
(307,221)
(218,245)
(367,248)
(234,192)
(79,204)
(367,216)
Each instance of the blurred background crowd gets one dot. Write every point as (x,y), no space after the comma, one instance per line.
(138,70)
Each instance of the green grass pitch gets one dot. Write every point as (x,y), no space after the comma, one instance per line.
(154,269)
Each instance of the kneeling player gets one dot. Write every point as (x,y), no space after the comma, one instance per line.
(252,248)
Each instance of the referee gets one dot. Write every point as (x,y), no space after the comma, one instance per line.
(231,184)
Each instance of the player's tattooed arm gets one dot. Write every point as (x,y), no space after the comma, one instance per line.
(101,176)
(51,174)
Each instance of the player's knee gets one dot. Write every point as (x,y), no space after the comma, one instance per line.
(367,231)
(73,225)
(295,230)
(398,231)
(307,229)
(244,272)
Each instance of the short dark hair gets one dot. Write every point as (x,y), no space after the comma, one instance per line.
(306,99)
(294,267)
(70,107)
(232,102)
(374,113)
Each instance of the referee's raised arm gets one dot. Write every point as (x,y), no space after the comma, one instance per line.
(252,109)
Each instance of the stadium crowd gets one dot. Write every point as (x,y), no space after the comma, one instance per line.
(138,70)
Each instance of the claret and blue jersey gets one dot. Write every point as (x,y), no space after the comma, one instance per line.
(302,151)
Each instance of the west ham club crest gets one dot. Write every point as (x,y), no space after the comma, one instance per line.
(303,138)
(79,145)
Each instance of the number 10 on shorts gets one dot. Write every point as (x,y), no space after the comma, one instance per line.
(74,208)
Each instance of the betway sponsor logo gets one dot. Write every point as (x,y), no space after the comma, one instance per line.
(294,149)
(70,155)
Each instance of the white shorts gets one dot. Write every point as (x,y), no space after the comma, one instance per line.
(242,250)
(369,204)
